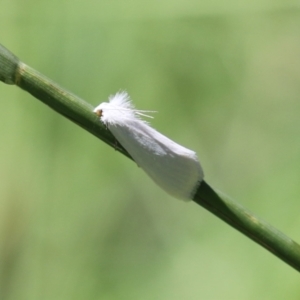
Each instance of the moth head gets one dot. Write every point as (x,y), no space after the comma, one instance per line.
(110,113)
(99,109)
(98,112)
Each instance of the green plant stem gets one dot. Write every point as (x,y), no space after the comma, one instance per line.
(250,225)
(12,71)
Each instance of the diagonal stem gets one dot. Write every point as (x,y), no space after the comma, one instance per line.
(13,71)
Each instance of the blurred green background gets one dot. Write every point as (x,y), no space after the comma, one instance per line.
(80,221)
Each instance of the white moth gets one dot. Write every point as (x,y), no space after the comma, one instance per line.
(174,168)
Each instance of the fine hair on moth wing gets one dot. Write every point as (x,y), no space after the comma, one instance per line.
(171,166)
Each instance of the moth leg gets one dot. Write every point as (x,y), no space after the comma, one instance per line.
(115,144)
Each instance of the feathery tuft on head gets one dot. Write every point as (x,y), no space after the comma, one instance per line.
(118,110)
(122,100)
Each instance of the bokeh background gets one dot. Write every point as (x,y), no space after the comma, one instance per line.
(80,221)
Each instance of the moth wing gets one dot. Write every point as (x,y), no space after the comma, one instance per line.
(173,167)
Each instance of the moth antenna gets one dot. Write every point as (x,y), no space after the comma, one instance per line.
(141,113)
